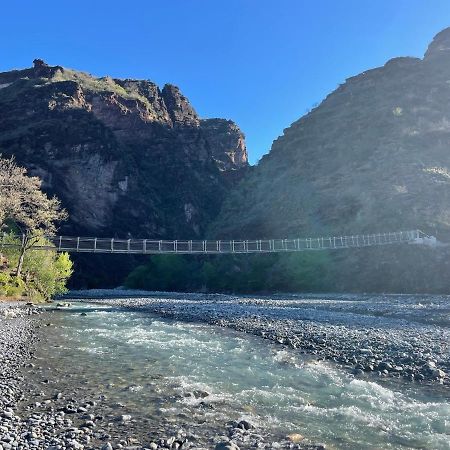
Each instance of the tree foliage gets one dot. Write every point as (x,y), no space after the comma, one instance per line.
(28,212)
(44,273)
(24,206)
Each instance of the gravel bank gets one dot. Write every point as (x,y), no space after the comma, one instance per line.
(406,337)
(16,343)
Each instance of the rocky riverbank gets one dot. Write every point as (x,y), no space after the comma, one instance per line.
(16,343)
(35,414)
(406,337)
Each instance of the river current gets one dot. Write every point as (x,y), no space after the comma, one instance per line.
(174,375)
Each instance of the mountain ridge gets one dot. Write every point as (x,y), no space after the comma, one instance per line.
(373,156)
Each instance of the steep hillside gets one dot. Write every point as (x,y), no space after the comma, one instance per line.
(125,157)
(373,156)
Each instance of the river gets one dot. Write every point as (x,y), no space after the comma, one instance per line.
(191,379)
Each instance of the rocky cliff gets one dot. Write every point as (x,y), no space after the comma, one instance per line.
(125,157)
(374,156)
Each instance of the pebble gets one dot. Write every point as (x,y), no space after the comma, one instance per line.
(245,425)
(226,446)
(438,373)
(124,418)
(295,438)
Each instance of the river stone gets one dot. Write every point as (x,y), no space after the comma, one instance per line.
(438,373)
(124,418)
(69,409)
(384,365)
(88,424)
(295,438)
(226,446)
(245,425)
(75,444)
(170,441)
(200,394)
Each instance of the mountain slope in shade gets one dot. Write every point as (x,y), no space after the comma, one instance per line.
(374,156)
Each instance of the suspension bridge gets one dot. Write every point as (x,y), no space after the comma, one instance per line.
(152,246)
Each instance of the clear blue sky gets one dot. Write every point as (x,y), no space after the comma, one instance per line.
(262,63)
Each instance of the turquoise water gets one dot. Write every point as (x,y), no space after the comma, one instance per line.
(149,367)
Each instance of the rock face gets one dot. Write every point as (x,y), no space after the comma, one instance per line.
(227,144)
(372,157)
(125,157)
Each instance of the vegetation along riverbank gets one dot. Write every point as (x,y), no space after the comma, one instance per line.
(27,216)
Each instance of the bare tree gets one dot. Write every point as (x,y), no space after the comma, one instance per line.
(24,204)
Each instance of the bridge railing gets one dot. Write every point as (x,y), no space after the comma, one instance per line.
(151,246)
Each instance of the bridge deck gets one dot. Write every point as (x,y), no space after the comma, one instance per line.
(150,246)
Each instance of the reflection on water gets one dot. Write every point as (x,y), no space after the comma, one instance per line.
(199,377)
